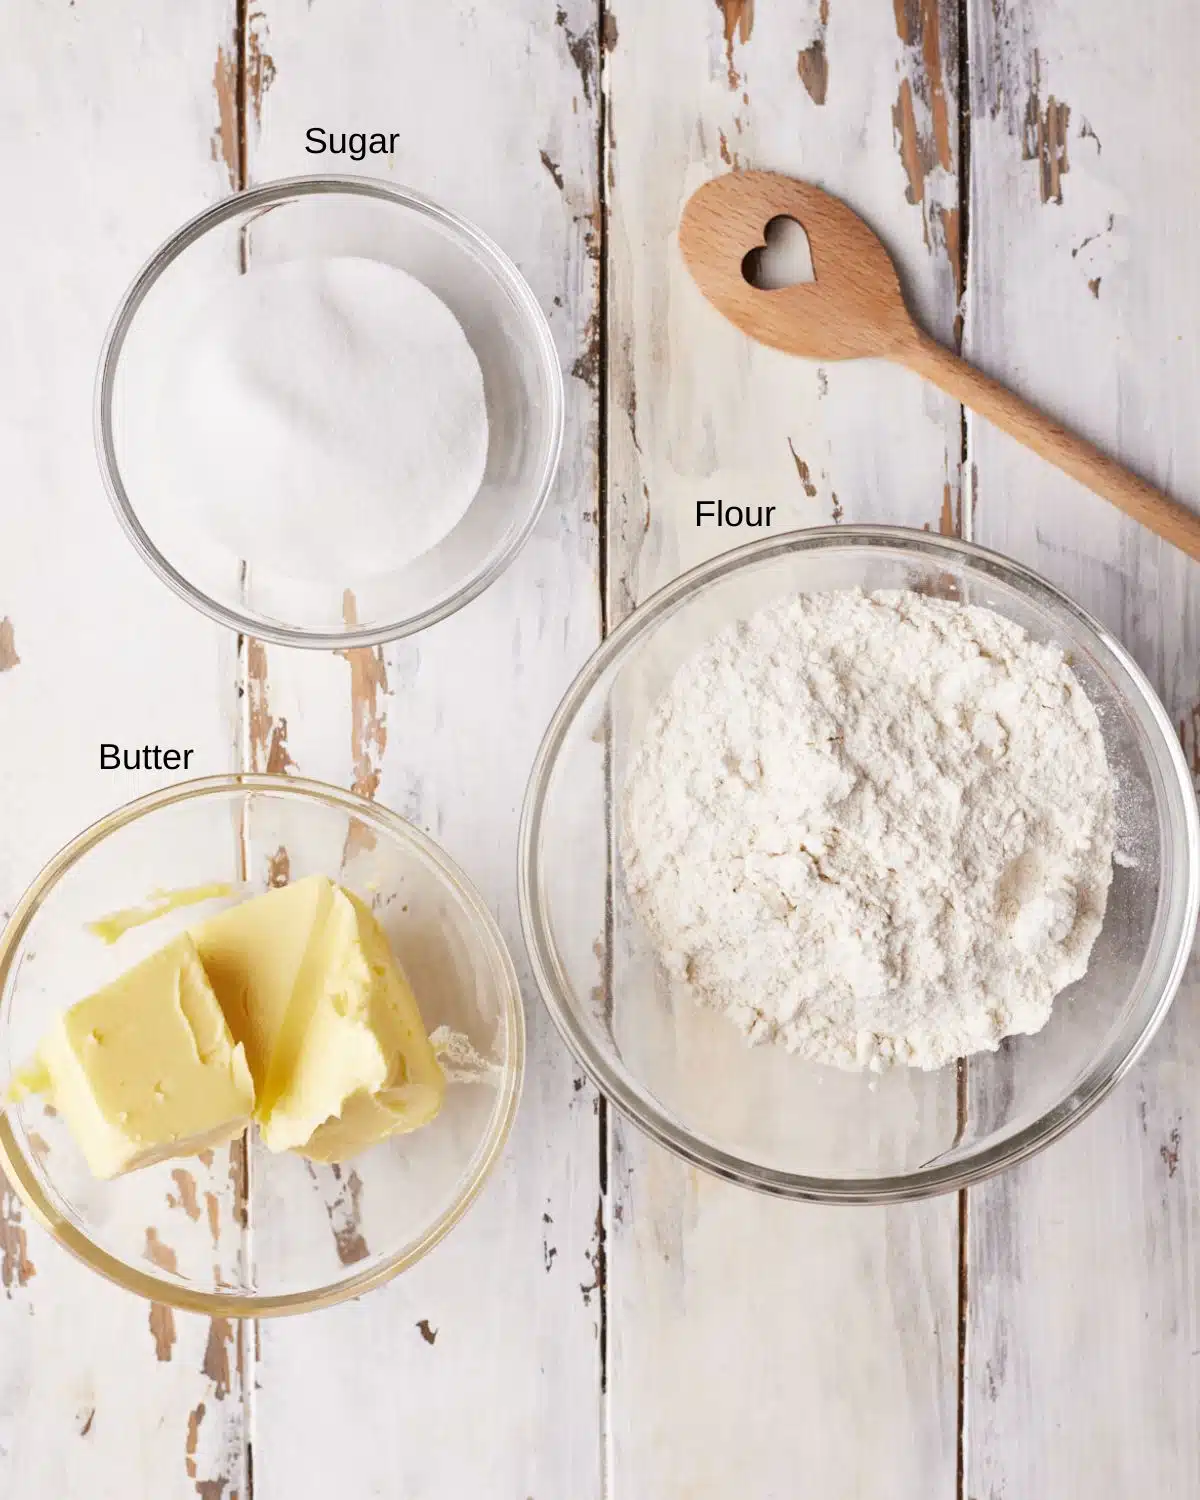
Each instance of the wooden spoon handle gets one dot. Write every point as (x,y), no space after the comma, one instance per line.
(1054,443)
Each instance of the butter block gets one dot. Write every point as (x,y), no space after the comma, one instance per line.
(331,1027)
(383,1004)
(146,1068)
(366,1119)
(253,954)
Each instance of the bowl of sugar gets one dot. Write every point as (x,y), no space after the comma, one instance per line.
(328,412)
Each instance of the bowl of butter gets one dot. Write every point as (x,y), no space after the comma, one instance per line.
(261,1043)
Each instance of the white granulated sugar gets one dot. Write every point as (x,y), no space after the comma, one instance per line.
(873,828)
(323,417)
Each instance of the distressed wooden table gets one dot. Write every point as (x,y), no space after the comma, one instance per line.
(606,1322)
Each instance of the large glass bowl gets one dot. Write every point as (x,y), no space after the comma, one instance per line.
(760,1116)
(312,216)
(239,1231)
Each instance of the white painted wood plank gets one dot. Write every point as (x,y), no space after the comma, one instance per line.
(109,116)
(698,413)
(477,1373)
(1084,1336)
(757,1347)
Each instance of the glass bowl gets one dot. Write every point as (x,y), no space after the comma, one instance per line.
(760,1116)
(240,1231)
(308,216)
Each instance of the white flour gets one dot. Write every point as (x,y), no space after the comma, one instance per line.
(324,418)
(873,828)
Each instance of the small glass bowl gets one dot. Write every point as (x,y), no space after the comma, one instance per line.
(240,1231)
(312,216)
(759,1116)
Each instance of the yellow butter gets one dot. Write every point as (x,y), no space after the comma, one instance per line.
(382,1002)
(115,924)
(331,1027)
(145,1068)
(253,954)
(289,1007)
(366,1119)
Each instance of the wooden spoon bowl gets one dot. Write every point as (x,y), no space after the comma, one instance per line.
(854,307)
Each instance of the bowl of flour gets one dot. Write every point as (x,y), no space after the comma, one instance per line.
(329,412)
(895,856)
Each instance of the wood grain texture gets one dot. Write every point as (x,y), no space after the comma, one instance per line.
(853,308)
(756,1347)
(695,412)
(1053,442)
(688,1339)
(1084,1338)
(100,1393)
(476,1373)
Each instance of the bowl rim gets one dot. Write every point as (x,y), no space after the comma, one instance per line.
(256,199)
(925,1181)
(14,1163)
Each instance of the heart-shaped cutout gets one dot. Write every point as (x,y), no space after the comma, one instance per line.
(783,259)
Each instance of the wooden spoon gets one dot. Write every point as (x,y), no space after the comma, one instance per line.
(855,308)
